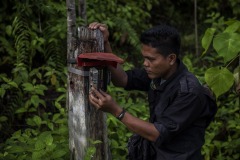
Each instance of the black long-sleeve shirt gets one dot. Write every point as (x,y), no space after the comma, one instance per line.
(180,109)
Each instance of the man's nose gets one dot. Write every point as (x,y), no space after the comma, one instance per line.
(145,63)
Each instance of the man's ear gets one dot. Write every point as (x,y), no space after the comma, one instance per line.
(172,58)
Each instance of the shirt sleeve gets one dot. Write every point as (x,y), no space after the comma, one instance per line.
(177,116)
(137,80)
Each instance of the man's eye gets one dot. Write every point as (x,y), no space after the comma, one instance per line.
(151,59)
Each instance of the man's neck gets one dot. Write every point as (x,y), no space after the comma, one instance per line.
(171,71)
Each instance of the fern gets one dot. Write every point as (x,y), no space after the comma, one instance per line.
(21,33)
(54,51)
(10,101)
(126,27)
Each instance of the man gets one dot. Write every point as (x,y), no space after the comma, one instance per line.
(180,108)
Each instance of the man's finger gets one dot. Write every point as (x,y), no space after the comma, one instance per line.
(103,93)
(93,25)
(93,98)
(93,101)
(97,93)
(96,25)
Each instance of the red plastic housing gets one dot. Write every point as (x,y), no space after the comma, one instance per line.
(98,59)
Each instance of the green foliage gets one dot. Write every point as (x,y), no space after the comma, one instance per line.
(216,77)
(46,138)
(91,150)
(126,20)
(222,136)
(207,39)
(33,120)
(226,44)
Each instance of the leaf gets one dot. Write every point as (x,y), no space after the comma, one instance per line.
(37,120)
(14,84)
(35,100)
(61,90)
(42,102)
(55,117)
(233,27)
(61,98)
(2,92)
(6,79)
(10,82)
(227,45)
(90,153)
(219,80)
(58,154)
(49,139)
(58,105)
(21,110)
(207,39)
(53,80)
(16,149)
(9,30)
(39,145)
(37,155)
(3,118)
(46,137)
(28,87)
(149,6)
(96,142)
(50,126)
(40,88)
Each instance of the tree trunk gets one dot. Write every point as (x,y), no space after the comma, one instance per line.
(86,125)
(196,28)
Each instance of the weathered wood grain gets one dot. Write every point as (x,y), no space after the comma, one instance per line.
(85,122)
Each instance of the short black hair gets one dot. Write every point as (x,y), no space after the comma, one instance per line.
(164,38)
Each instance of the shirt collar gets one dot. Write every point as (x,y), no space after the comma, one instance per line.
(156,83)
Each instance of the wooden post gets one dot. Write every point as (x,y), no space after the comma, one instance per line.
(86,124)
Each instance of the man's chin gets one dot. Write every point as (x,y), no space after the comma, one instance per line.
(151,76)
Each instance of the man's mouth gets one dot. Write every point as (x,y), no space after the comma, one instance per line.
(148,71)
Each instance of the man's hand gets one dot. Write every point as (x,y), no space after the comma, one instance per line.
(104,102)
(102,27)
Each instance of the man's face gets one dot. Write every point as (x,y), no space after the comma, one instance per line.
(155,64)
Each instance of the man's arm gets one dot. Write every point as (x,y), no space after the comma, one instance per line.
(141,127)
(118,76)
(104,102)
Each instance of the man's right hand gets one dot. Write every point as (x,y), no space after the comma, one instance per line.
(102,27)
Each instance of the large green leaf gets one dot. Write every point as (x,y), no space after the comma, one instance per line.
(227,45)
(207,39)
(219,80)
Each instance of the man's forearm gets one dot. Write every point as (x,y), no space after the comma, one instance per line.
(141,127)
(118,75)
(107,47)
